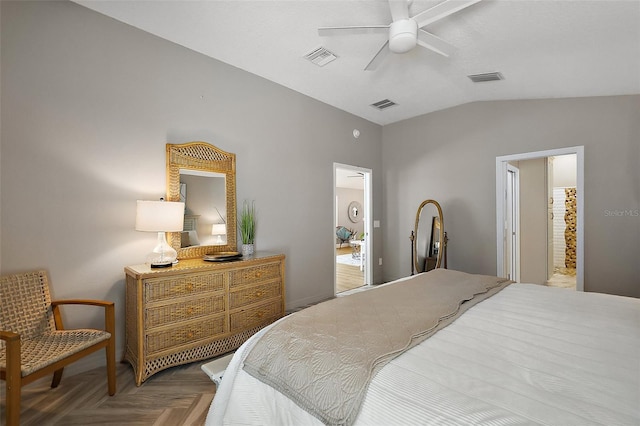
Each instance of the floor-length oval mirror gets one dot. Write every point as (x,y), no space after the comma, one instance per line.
(428,237)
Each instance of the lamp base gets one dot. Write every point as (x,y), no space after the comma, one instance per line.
(161,265)
(163,255)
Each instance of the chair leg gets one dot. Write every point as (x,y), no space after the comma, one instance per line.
(13,404)
(111,365)
(57,376)
(13,382)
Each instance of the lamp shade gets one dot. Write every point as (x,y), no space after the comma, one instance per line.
(159,216)
(219,229)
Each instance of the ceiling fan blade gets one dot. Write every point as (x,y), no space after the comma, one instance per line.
(377,60)
(434,43)
(441,10)
(399,9)
(370,29)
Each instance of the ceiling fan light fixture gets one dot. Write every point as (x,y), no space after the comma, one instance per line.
(403,35)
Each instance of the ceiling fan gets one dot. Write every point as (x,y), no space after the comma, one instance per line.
(405,32)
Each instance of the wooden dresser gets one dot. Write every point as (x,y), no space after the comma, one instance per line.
(196,309)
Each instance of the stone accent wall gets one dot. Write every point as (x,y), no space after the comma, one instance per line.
(570,230)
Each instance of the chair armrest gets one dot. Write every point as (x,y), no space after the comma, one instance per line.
(109,312)
(9,336)
(12,372)
(81,302)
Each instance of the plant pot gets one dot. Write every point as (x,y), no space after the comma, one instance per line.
(247,249)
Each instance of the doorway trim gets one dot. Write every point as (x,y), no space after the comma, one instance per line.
(368,219)
(512,222)
(501,204)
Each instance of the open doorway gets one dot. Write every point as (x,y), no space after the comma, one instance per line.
(352,223)
(539,212)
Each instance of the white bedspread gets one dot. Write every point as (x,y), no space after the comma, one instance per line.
(528,355)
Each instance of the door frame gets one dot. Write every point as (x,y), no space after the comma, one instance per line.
(501,205)
(512,222)
(368,220)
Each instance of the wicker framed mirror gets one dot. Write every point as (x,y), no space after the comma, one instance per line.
(217,168)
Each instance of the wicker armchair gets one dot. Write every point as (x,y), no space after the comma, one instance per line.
(344,234)
(33,342)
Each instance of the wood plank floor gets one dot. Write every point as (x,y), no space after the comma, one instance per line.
(177,396)
(347,277)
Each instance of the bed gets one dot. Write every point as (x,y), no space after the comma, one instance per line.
(523,354)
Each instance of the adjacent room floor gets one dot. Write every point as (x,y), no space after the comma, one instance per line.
(348,276)
(563,277)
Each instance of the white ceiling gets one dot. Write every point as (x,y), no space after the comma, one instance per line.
(351,179)
(544,48)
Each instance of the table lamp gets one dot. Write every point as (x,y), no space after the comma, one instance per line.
(219,229)
(161,217)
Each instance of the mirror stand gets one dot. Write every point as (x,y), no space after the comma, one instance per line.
(428,239)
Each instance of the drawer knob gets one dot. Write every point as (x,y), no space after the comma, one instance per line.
(190,310)
(189,287)
(259,314)
(190,334)
(259,293)
(258,274)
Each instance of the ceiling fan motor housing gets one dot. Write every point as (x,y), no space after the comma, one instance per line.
(403,35)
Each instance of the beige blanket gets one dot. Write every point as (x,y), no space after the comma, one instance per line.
(323,357)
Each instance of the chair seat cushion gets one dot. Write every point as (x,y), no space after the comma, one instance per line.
(53,346)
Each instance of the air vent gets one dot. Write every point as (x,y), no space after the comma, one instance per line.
(383,104)
(488,76)
(320,56)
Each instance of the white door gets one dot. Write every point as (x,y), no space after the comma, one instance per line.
(550,202)
(512,224)
(502,164)
(353,175)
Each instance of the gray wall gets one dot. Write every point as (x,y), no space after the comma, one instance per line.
(533,221)
(0,142)
(450,156)
(88,104)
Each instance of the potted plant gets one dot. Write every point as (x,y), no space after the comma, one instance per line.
(247,226)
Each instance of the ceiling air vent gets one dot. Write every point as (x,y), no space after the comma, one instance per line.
(320,56)
(488,76)
(383,104)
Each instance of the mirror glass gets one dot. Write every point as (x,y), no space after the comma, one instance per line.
(203,177)
(429,233)
(204,196)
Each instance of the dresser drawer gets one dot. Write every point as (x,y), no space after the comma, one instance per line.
(254,294)
(254,274)
(157,289)
(186,310)
(174,337)
(256,316)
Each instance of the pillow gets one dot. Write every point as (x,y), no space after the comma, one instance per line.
(343,233)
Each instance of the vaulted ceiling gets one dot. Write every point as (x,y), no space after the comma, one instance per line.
(542,48)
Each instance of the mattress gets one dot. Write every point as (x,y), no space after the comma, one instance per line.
(528,355)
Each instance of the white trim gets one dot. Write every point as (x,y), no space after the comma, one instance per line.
(501,168)
(515,225)
(368,219)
